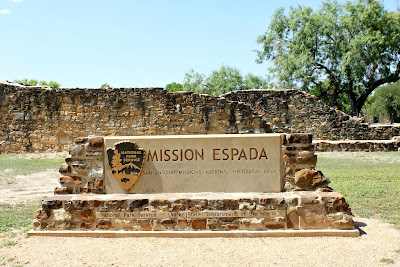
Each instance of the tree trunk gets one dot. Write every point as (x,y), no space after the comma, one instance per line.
(354,111)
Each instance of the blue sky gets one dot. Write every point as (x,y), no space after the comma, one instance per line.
(132,43)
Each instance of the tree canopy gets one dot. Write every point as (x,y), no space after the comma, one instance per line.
(105,85)
(218,82)
(386,101)
(174,87)
(340,53)
(33,82)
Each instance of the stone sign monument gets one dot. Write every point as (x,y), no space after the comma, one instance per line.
(193,163)
(193,186)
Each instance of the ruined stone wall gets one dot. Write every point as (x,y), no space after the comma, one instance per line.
(289,110)
(358,145)
(44,119)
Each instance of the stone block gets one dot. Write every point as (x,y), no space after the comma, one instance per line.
(251,224)
(86,226)
(96,183)
(125,225)
(87,215)
(232,226)
(293,149)
(81,140)
(179,207)
(36,224)
(309,199)
(304,178)
(63,190)
(70,180)
(96,170)
(77,150)
(104,225)
(52,204)
(199,224)
(96,142)
(312,219)
(64,168)
(298,138)
(293,221)
(344,224)
(61,215)
(137,203)
(311,160)
(40,214)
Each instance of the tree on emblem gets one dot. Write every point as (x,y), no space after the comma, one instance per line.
(126,162)
(116,163)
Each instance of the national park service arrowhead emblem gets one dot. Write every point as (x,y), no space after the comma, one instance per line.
(126,162)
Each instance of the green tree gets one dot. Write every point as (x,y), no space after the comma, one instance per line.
(52,84)
(218,82)
(256,82)
(194,82)
(224,80)
(386,101)
(27,82)
(341,52)
(105,85)
(33,82)
(174,87)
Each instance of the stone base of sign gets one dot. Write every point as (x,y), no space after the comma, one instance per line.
(195,212)
(199,234)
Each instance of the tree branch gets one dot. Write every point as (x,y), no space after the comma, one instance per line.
(330,73)
(373,85)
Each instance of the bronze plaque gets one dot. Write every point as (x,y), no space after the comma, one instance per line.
(126,162)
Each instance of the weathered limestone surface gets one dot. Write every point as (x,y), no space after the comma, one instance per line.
(200,163)
(83,170)
(289,110)
(43,119)
(201,211)
(358,145)
(37,119)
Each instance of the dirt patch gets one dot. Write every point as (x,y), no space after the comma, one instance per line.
(45,155)
(31,188)
(28,188)
(379,241)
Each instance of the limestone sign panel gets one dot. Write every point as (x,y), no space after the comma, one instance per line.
(193,163)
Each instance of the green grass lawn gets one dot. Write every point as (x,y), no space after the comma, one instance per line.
(30,163)
(17,216)
(370,181)
(17,219)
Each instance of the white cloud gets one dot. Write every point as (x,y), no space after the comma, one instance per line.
(4,12)
(16,1)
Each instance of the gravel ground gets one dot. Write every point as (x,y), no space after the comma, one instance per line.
(379,241)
